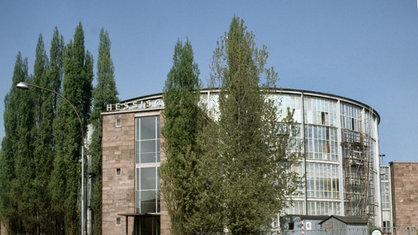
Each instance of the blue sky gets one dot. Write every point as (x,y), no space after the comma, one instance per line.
(366,50)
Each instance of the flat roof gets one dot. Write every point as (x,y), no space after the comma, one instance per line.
(273,90)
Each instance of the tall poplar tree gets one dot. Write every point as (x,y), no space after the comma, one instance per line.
(250,147)
(48,75)
(27,149)
(56,65)
(15,155)
(181,130)
(55,76)
(77,86)
(104,93)
(42,142)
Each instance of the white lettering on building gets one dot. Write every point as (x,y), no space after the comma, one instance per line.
(136,105)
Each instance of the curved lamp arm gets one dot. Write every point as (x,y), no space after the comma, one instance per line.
(26,86)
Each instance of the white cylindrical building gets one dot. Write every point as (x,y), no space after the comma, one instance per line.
(341,153)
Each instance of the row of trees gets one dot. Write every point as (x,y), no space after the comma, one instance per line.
(40,153)
(228,172)
(233,172)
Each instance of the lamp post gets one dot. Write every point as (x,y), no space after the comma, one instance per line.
(25,86)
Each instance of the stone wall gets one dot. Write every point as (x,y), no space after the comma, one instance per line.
(404,177)
(118,148)
(164,217)
(118,143)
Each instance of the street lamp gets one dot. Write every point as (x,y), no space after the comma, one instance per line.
(25,86)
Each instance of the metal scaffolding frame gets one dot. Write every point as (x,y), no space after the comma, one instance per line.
(358,171)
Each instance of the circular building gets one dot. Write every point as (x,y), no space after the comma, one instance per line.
(341,153)
(340,165)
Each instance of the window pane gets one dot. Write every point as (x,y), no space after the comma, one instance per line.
(137,179)
(158,178)
(158,202)
(148,128)
(137,122)
(147,150)
(148,178)
(137,201)
(147,157)
(148,201)
(157,118)
(148,146)
(137,152)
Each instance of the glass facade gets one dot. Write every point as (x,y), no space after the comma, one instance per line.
(321,143)
(322,180)
(320,111)
(385,187)
(351,117)
(385,192)
(147,152)
(323,207)
(340,144)
(335,130)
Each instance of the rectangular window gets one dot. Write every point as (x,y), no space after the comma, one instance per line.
(323,120)
(118,122)
(147,151)
(148,139)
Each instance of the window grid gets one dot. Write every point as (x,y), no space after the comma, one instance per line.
(351,117)
(320,111)
(289,101)
(323,208)
(323,181)
(147,152)
(321,143)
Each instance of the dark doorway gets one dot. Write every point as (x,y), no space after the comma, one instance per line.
(147,224)
(144,224)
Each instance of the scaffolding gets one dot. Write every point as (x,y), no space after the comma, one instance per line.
(359,172)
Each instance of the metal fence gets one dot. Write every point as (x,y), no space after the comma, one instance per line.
(329,231)
(405,230)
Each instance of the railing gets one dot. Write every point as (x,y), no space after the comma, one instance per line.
(401,230)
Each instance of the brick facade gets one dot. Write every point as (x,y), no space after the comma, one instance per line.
(118,191)
(118,143)
(404,176)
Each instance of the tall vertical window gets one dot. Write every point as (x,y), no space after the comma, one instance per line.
(147,153)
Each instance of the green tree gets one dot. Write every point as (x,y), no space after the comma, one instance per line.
(48,75)
(56,65)
(26,158)
(22,188)
(252,144)
(65,182)
(43,144)
(182,128)
(54,76)
(104,93)
(18,120)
